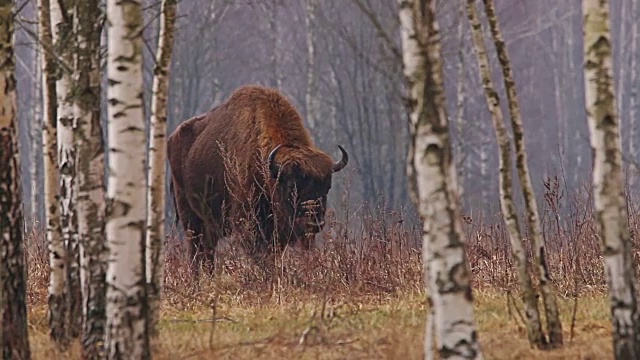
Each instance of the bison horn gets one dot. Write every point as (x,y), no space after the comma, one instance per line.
(343,162)
(273,166)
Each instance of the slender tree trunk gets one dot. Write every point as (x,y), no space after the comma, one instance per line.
(36,140)
(57,252)
(572,94)
(460,100)
(311,94)
(90,175)
(554,325)
(61,27)
(413,68)
(610,206)
(274,40)
(446,267)
(336,196)
(156,186)
(622,57)
(634,100)
(14,340)
(534,328)
(485,177)
(560,98)
(127,313)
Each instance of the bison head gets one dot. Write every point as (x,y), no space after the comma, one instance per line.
(303,178)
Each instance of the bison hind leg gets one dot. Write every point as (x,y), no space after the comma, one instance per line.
(199,249)
(194,237)
(203,251)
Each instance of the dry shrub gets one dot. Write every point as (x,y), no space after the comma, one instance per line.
(376,252)
(372,251)
(377,257)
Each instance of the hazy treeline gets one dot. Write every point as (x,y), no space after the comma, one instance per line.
(350,89)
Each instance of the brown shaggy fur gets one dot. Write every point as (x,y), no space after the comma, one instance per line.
(209,201)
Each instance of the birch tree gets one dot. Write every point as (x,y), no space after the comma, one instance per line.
(14,341)
(448,283)
(35,135)
(554,325)
(90,174)
(62,36)
(156,189)
(57,254)
(534,328)
(610,206)
(126,331)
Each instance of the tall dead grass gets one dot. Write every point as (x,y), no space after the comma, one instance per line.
(370,251)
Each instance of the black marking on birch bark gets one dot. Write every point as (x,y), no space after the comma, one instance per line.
(114,101)
(115,208)
(608,121)
(119,114)
(457,280)
(545,267)
(133,129)
(433,154)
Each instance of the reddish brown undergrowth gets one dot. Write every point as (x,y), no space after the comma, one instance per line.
(373,252)
(366,260)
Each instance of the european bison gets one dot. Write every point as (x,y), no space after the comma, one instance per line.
(249,163)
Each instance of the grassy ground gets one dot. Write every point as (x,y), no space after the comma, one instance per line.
(359,295)
(366,327)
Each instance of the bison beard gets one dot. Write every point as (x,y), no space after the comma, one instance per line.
(249,166)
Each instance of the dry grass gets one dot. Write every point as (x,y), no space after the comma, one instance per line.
(358,328)
(360,294)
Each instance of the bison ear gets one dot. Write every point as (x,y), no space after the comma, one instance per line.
(274,167)
(343,162)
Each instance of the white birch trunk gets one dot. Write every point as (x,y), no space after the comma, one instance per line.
(554,325)
(413,68)
(14,340)
(126,331)
(36,140)
(61,29)
(90,175)
(445,262)
(610,206)
(534,328)
(57,252)
(156,193)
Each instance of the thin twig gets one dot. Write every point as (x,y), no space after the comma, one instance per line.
(46,48)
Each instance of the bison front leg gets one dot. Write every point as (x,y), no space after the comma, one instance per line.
(261,255)
(259,246)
